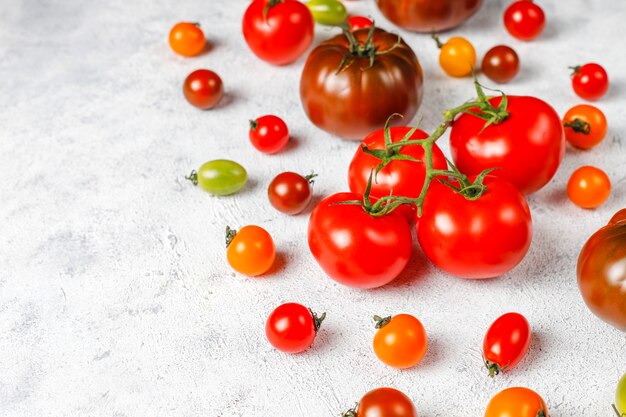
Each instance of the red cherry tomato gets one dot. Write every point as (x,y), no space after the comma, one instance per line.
(524,20)
(384,402)
(292,327)
(187,39)
(290,193)
(506,343)
(589,187)
(527,147)
(269,134)
(355,248)
(590,81)
(203,89)
(483,238)
(358,22)
(500,64)
(401,177)
(278,32)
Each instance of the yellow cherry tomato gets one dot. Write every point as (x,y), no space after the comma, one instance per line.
(400,341)
(250,250)
(457,56)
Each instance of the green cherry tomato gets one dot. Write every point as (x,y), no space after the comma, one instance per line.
(220,177)
(620,396)
(328,12)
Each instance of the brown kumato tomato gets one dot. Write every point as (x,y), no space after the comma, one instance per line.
(352,82)
(601,272)
(428,15)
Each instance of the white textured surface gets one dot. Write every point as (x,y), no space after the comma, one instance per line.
(115,295)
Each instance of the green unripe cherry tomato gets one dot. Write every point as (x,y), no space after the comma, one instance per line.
(220,177)
(620,395)
(328,12)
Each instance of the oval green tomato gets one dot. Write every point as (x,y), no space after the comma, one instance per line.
(620,395)
(328,12)
(222,177)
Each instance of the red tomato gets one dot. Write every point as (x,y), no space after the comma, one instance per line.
(601,273)
(203,89)
(290,193)
(400,177)
(506,343)
(527,147)
(589,187)
(524,20)
(358,22)
(590,81)
(517,402)
(475,239)
(355,248)
(278,32)
(292,327)
(500,64)
(384,402)
(269,134)
(187,39)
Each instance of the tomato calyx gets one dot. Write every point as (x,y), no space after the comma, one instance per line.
(435,36)
(579,126)
(230,235)
(494,368)
(381,321)
(617,413)
(193,177)
(351,412)
(253,124)
(310,178)
(358,49)
(268,6)
(575,70)
(317,320)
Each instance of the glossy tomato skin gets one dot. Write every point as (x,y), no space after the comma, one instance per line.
(597,124)
(478,239)
(187,39)
(289,192)
(358,22)
(402,342)
(290,328)
(506,342)
(589,187)
(527,147)
(601,273)
(327,12)
(590,81)
(203,89)
(221,177)
(516,402)
(500,64)
(358,100)
(281,36)
(354,248)
(400,177)
(428,15)
(269,134)
(524,20)
(386,402)
(457,57)
(251,252)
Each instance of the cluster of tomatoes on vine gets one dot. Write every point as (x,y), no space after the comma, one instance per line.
(469,212)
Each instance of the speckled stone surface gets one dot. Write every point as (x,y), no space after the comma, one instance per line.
(115,295)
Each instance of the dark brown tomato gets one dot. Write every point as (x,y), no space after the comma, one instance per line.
(500,64)
(428,15)
(289,192)
(359,99)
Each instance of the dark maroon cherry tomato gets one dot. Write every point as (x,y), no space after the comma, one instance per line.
(524,20)
(203,89)
(269,134)
(590,81)
(290,193)
(501,64)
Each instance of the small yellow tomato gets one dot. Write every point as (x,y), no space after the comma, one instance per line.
(457,56)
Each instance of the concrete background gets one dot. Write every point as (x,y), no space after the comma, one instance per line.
(115,295)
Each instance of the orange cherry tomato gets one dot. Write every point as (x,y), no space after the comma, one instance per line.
(400,341)
(517,402)
(250,250)
(457,56)
(585,126)
(589,187)
(187,39)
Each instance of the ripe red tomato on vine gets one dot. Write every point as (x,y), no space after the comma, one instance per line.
(278,31)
